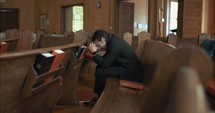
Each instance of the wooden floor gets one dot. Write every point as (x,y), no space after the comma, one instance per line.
(85,82)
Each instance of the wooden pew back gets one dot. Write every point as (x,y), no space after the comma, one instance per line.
(26,40)
(71,74)
(142,36)
(187,93)
(51,41)
(12,43)
(12,37)
(153,52)
(127,37)
(170,39)
(160,98)
(14,69)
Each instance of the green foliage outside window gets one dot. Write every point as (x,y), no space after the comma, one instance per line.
(78,18)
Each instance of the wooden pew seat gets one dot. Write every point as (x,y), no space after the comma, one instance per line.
(179,78)
(116,99)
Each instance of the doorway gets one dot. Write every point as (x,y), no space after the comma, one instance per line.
(173,17)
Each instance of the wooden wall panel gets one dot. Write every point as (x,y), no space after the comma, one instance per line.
(190,18)
(26,12)
(211,17)
(152,18)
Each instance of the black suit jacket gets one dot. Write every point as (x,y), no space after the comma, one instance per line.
(120,53)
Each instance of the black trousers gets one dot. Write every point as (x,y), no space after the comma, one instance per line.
(101,75)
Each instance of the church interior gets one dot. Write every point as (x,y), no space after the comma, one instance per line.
(173,39)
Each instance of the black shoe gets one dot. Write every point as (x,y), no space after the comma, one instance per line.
(91,102)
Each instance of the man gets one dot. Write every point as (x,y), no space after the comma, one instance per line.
(119,61)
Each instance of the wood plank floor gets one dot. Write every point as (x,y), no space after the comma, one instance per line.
(85,82)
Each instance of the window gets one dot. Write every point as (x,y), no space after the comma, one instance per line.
(73,18)
(77,18)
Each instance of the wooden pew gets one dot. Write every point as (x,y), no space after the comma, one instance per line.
(115,99)
(204,36)
(127,37)
(14,69)
(51,41)
(182,42)
(37,40)
(12,37)
(142,36)
(179,83)
(70,77)
(12,43)
(170,39)
(26,40)
(153,53)
(72,65)
(12,33)
(81,35)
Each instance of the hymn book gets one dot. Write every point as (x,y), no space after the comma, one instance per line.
(3,47)
(59,56)
(130,84)
(43,63)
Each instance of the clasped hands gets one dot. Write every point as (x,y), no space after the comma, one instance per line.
(93,48)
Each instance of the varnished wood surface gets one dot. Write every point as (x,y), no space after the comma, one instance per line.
(37,51)
(14,67)
(158,97)
(116,99)
(85,82)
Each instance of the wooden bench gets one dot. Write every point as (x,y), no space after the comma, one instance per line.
(26,40)
(115,99)
(170,39)
(12,43)
(128,37)
(179,83)
(173,87)
(15,67)
(12,37)
(70,77)
(72,64)
(50,41)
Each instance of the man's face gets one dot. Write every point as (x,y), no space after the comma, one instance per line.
(100,44)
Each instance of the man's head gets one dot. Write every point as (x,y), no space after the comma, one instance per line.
(100,38)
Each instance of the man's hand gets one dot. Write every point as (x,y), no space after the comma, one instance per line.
(93,48)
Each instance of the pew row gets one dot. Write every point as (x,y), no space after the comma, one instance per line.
(71,73)
(15,69)
(176,86)
(115,99)
(176,83)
